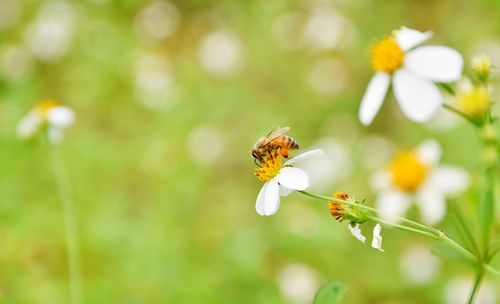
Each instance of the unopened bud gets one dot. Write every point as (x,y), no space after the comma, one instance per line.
(481,65)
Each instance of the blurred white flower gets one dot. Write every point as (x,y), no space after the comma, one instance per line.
(458,291)
(49,114)
(326,29)
(9,13)
(17,63)
(329,168)
(415,175)
(205,144)
(414,71)
(51,34)
(298,283)
(158,20)
(328,76)
(419,265)
(154,81)
(220,53)
(444,120)
(376,240)
(280,179)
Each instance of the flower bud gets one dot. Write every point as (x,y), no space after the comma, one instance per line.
(474,102)
(341,211)
(481,66)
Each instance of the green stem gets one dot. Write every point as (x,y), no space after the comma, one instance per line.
(70,226)
(376,211)
(376,219)
(475,287)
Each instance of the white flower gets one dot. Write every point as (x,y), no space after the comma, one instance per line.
(415,175)
(376,240)
(414,72)
(46,113)
(280,180)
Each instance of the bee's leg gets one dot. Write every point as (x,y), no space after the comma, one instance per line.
(284,152)
(257,163)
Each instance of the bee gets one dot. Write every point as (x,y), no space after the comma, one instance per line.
(274,141)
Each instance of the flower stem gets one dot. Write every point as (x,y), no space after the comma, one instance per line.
(70,226)
(475,287)
(463,115)
(402,227)
(376,211)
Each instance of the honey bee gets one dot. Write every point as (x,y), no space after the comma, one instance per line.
(274,141)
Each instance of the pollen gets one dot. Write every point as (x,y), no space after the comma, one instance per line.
(386,55)
(474,102)
(270,167)
(408,172)
(44,106)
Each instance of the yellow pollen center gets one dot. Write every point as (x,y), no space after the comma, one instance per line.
(44,106)
(270,168)
(386,55)
(407,171)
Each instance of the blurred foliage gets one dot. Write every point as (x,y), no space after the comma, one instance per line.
(159,157)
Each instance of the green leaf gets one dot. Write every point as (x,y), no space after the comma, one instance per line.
(443,251)
(330,293)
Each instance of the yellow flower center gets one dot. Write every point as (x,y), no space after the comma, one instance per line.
(407,171)
(270,168)
(44,106)
(474,102)
(386,55)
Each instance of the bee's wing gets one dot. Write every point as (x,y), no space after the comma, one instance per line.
(278,131)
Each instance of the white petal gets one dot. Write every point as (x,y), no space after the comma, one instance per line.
(293,178)
(285,191)
(54,134)
(28,125)
(410,38)
(381,181)
(392,204)
(377,238)
(61,116)
(418,98)
(373,98)
(429,152)
(268,200)
(432,205)
(305,155)
(436,63)
(450,180)
(356,232)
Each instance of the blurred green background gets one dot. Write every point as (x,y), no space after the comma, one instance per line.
(170,97)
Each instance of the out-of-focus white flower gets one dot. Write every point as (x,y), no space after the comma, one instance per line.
(220,53)
(158,20)
(329,168)
(298,283)
(154,81)
(51,34)
(9,13)
(17,63)
(415,175)
(414,72)
(458,291)
(419,265)
(205,144)
(326,29)
(376,240)
(328,76)
(280,179)
(49,114)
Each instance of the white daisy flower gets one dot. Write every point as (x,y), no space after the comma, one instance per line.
(46,113)
(414,72)
(376,240)
(414,175)
(280,179)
